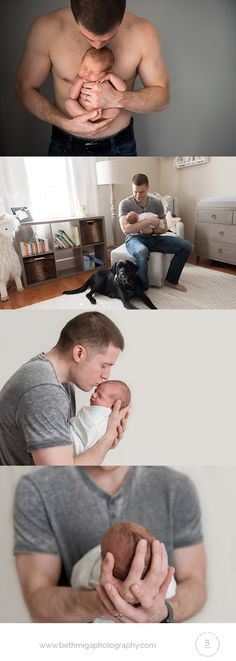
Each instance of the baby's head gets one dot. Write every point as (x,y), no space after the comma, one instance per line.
(121,540)
(132,217)
(95,64)
(107,393)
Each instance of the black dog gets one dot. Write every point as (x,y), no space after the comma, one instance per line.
(120,281)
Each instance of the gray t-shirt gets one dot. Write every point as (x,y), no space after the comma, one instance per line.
(153,205)
(61,511)
(34,412)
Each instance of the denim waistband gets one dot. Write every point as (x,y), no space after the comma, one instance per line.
(92,142)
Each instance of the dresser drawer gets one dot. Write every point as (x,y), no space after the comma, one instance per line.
(217,216)
(225,233)
(223,252)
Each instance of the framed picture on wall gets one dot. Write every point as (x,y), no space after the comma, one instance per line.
(22,213)
(187,161)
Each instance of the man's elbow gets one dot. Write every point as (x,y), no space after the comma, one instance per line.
(123,229)
(165,99)
(20,90)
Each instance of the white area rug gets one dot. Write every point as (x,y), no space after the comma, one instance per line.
(207,290)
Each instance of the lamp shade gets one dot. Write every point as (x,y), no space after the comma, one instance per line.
(108,173)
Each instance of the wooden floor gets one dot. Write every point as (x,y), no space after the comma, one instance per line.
(55,288)
(42,292)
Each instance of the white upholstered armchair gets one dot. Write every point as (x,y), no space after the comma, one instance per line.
(158,263)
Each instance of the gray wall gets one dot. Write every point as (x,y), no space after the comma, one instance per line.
(199,46)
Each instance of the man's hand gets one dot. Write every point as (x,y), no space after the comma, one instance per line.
(85,125)
(160,230)
(97,95)
(153,579)
(149,593)
(149,609)
(117,423)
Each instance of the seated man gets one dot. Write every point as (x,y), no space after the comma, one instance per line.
(141,238)
(61,513)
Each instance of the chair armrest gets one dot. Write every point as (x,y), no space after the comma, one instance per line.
(180,229)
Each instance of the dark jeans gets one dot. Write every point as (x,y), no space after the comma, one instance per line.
(140,248)
(120,144)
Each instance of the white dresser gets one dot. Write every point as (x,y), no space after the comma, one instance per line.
(215,229)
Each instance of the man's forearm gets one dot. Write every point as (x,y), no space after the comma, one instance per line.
(59,604)
(133,228)
(40,107)
(148,99)
(189,598)
(95,455)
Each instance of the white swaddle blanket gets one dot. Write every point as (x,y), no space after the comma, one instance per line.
(171,221)
(88,426)
(86,572)
(143,216)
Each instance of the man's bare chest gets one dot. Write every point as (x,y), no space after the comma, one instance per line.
(66,58)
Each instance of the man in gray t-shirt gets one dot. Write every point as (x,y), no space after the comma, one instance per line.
(38,400)
(154,238)
(61,513)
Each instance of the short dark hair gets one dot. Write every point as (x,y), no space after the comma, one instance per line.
(92,330)
(140,180)
(98,16)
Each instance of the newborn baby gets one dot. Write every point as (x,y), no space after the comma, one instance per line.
(133,217)
(95,68)
(121,540)
(91,422)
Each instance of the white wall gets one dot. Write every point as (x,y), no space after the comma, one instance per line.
(216,178)
(216,489)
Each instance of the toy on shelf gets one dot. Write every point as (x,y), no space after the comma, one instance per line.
(10,266)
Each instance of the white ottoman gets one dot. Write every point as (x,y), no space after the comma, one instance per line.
(157,266)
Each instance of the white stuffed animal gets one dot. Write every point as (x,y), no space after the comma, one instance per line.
(10,266)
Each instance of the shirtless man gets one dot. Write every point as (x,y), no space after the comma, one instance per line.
(56,44)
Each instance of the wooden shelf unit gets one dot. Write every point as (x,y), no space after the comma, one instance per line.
(56,262)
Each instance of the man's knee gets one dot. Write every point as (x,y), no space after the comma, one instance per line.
(142,254)
(187,246)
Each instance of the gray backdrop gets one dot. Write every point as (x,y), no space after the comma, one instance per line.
(198,38)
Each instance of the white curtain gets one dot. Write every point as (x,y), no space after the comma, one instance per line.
(14,191)
(50,187)
(84,170)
